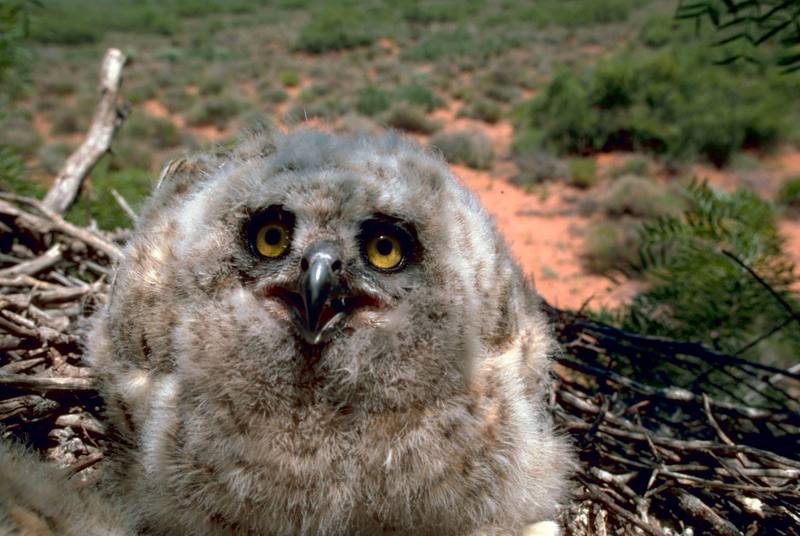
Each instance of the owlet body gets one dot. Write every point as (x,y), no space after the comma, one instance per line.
(323,335)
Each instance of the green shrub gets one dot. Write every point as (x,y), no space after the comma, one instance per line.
(274,95)
(371,101)
(18,134)
(538,166)
(204,8)
(290,78)
(66,120)
(130,154)
(75,22)
(439,11)
(52,156)
(789,195)
(61,86)
(411,118)
(212,83)
(671,103)
(471,148)
(635,165)
(14,54)
(141,92)
(327,109)
(459,42)
(217,111)
(169,54)
(177,100)
(97,202)
(502,93)
(13,175)
(583,172)
(611,247)
(159,132)
(419,95)
(482,109)
(335,27)
(314,93)
(640,197)
(697,292)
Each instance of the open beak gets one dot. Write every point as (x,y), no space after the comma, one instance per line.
(321,300)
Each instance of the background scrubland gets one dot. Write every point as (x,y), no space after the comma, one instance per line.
(629,171)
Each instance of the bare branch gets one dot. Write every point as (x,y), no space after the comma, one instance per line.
(107,119)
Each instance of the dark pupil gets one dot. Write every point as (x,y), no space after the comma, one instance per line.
(273,236)
(384,246)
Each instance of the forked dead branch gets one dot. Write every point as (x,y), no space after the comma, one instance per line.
(671,434)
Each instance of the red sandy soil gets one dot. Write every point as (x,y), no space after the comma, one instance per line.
(545,237)
(546,242)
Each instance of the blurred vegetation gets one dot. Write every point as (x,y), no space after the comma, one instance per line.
(670,101)
(471,148)
(699,292)
(576,77)
(14,18)
(583,172)
(612,247)
(741,26)
(97,203)
(412,118)
(337,26)
(73,22)
(789,196)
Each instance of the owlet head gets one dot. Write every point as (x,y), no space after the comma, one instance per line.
(353,268)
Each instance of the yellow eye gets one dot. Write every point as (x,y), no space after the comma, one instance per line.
(384,251)
(272,240)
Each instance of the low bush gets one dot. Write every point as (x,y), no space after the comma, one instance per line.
(641,198)
(789,195)
(130,154)
(471,148)
(634,165)
(67,120)
(538,166)
(139,93)
(371,101)
(52,156)
(177,100)
(419,95)
(460,42)
(672,103)
(97,202)
(583,172)
(159,132)
(75,22)
(698,288)
(335,27)
(273,95)
(216,111)
(290,78)
(411,118)
(13,175)
(611,247)
(482,109)
(18,134)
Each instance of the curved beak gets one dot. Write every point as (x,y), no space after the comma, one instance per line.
(316,289)
(321,266)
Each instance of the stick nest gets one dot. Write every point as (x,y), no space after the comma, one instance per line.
(673,438)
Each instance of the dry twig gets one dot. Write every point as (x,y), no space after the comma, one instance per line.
(107,118)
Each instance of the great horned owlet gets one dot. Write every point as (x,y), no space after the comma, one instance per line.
(315,334)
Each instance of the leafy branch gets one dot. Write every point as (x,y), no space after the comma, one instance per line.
(751,22)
